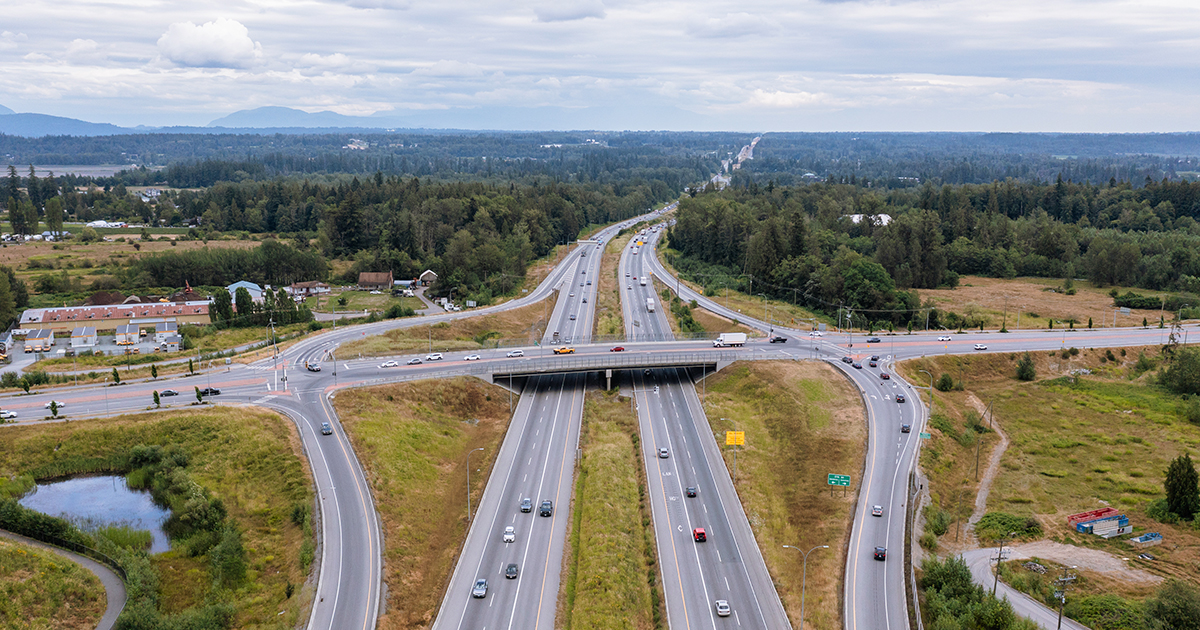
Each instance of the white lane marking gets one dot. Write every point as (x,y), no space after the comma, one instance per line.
(727,584)
(718,555)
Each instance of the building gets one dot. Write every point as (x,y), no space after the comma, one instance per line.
(162,330)
(307,289)
(428,277)
(128,334)
(39,340)
(84,337)
(375,280)
(171,343)
(65,319)
(256,292)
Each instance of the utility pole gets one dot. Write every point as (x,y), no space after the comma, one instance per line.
(999,558)
(1064,584)
(469,483)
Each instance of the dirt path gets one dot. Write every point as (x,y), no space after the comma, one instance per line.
(1084,558)
(989,475)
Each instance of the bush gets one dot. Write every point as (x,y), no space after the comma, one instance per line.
(997,525)
(1104,612)
(1175,606)
(944,383)
(1025,368)
(937,520)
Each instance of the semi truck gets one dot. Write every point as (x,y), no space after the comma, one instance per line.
(727,340)
(650,304)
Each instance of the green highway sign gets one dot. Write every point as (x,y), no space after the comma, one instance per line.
(926,436)
(839,480)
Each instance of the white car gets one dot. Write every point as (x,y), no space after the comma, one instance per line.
(876,510)
(626,274)
(388,364)
(944,338)
(722,608)
(663,452)
(980,346)
(435,356)
(61,404)
(510,534)
(471,357)
(6,414)
(515,353)
(815,333)
(376,292)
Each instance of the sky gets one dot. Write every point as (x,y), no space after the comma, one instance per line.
(756,65)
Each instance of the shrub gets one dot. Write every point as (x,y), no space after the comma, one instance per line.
(1176,604)
(1104,612)
(1025,368)
(937,520)
(997,525)
(945,383)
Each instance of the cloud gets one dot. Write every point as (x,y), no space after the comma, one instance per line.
(445,68)
(83,50)
(10,40)
(399,5)
(731,25)
(570,10)
(223,43)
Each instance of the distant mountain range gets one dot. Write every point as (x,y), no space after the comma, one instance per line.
(295,121)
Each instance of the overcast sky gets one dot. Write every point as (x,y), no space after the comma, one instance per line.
(756,65)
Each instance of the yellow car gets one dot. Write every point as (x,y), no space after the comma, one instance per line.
(564,351)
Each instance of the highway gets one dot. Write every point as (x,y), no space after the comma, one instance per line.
(728,564)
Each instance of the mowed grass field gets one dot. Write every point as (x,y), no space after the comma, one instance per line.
(523,325)
(1077,443)
(40,589)
(612,577)
(249,458)
(413,440)
(802,420)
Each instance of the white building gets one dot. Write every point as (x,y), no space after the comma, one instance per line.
(84,337)
(162,330)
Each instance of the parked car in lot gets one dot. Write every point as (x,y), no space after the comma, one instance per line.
(515,353)
(168,392)
(414,361)
(326,429)
(980,346)
(388,364)
(480,589)
(881,553)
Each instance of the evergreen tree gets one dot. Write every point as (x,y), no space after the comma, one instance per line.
(54,216)
(1025,368)
(33,188)
(16,215)
(1183,487)
(14,187)
(8,304)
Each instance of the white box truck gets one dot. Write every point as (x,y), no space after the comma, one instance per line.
(642,280)
(650,306)
(726,340)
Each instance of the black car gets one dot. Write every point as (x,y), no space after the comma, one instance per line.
(527,505)
(691,491)
(511,571)
(881,553)
(326,429)
(874,340)
(873,364)
(778,339)
(210,391)
(168,392)
(875,357)
(906,428)
(547,508)
(858,366)
(899,398)
(847,360)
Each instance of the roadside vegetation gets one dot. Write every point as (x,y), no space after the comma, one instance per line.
(611,576)
(41,589)
(414,440)
(522,326)
(1088,428)
(803,420)
(241,524)
(610,321)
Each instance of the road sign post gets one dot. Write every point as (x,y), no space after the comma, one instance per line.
(735,439)
(838,480)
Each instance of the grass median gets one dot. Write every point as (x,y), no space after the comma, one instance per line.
(612,577)
(802,421)
(41,589)
(609,318)
(414,440)
(522,325)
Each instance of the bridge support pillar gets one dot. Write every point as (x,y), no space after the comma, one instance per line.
(608,379)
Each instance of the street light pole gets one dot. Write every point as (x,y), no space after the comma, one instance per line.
(804,576)
(469,483)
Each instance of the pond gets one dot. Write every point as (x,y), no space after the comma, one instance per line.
(105,500)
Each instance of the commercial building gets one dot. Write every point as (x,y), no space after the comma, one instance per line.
(65,319)
(84,337)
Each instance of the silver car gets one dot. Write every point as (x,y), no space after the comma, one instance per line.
(480,590)
(723,609)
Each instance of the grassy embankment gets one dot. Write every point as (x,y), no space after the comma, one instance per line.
(802,421)
(1077,443)
(249,459)
(414,440)
(609,318)
(361,300)
(612,577)
(523,325)
(40,589)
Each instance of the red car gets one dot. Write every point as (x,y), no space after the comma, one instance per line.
(885,376)
(618,349)
(698,534)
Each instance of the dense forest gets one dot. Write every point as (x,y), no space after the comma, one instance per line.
(832,245)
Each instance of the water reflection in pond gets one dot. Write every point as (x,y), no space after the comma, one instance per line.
(106,500)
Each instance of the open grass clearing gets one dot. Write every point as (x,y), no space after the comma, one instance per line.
(1077,443)
(611,579)
(522,326)
(802,420)
(41,589)
(249,458)
(609,318)
(413,440)
(361,301)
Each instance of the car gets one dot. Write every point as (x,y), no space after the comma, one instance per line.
(515,353)
(875,357)
(778,339)
(207,391)
(480,589)
(881,553)
(434,356)
(326,429)
(589,283)
(906,428)
(663,453)
(388,364)
(312,367)
(635,277)
(629,286)
(376,292)
(580,284)
(414,361)
(585,299)
(168,392)
(618,349)
(873,364)
(626,274)
(698,535)
(873,340)
(564,351)
(583,271)
(944,338)
(526,504)
(847,360)
(572,316)
(6,414)
(899,398)
(723,609)
(572,294)
(980,346)
(647,372)
(547,508)
(885,376)
(690,492)
(815,333)
(510,572)
(858,366)
(471,357)
(876,510)
(510,534)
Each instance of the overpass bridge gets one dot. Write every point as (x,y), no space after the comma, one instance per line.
(508,369)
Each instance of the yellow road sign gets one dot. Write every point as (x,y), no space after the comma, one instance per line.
(735,438)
